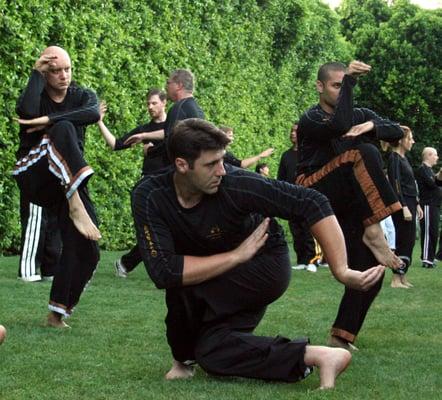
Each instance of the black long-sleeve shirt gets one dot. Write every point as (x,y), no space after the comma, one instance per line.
(320,134)
(220,222)
(80,107)
(401,177)
(154,159)
(288,166)
(430,190)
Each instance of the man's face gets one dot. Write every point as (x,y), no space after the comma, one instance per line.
(172,89)
(58,76)
(155,106)
(293,134)
(230,136)
(207,172)
(265,171)
(329,90)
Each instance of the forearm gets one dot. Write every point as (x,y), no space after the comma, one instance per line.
(153,135)
(201,269)
(246,163)
(331,239)
(107,135)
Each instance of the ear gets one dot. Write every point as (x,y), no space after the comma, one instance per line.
(181,165)
(319,86)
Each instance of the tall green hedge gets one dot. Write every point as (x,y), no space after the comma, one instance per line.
(254,61)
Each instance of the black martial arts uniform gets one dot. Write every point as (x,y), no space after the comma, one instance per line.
(212,322)
(303,242)
(349,172)
(401,177)
(50,168)
(430,198)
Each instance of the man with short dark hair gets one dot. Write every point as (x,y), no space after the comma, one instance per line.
(339,157)
(52,172)
(207,235)
(151,135)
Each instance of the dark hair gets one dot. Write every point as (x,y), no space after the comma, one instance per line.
(156,92)
(324,70)
(259,167)
(225,128)
(192,136)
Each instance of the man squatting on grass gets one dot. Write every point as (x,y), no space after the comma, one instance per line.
(207,235)
(51,171)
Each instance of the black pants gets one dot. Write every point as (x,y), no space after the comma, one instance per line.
(405,234)
(354,180)
(429,225)
(48,176)
(213,322)
(131,259)
(303,242)
(355,304)
(40,248)
(360,195)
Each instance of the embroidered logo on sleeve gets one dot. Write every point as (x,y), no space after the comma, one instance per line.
(149,241)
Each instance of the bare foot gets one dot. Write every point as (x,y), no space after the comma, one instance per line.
(374,239)
(335,341)
(2,334)
(180,371)
(396,282)
(55,321)
(405,281)
(330,361)
(81,219)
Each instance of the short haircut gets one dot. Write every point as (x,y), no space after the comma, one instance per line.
(325,69)
(226,128)
(156,92)
(407,133)
(259,167)
(185,77)
(192,136)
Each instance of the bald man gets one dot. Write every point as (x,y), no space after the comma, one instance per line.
(430,198)
(51,170)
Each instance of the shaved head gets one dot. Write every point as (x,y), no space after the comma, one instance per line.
(429,156)
(57,52)
(55,64)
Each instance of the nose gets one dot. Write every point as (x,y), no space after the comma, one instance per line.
(221,171)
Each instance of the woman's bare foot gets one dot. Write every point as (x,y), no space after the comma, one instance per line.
(374,239)
(55,321)
(396,282)
(330,361)
(180,371)
(81,219)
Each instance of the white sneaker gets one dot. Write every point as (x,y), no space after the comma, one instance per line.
(299,266)
(32,278)
(120,271)
(311,268)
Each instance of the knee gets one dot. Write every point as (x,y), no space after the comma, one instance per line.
(368,150)
(62,127)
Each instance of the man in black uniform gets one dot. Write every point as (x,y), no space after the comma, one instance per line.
(52,172)
(338,158)
(430,197)
(205,235)
(303,242)
(152,136)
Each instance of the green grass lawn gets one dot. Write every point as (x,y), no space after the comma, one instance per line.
(116,348)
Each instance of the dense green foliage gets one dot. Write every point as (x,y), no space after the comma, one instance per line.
(254,61)
(403,44)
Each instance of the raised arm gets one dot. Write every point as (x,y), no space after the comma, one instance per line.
(105,132)
(247,162)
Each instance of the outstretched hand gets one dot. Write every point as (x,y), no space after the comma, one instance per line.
(36,124)
(102,110)
(134,139)
(357,68)
(250,246)
(363,280)
(267,152)
(360,129)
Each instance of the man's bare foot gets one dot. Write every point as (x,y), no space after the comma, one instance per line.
(330,361)
(396,282)
(335,341)
(405,281)
(81,219)
(374,239)
(55,321)
(180,371)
